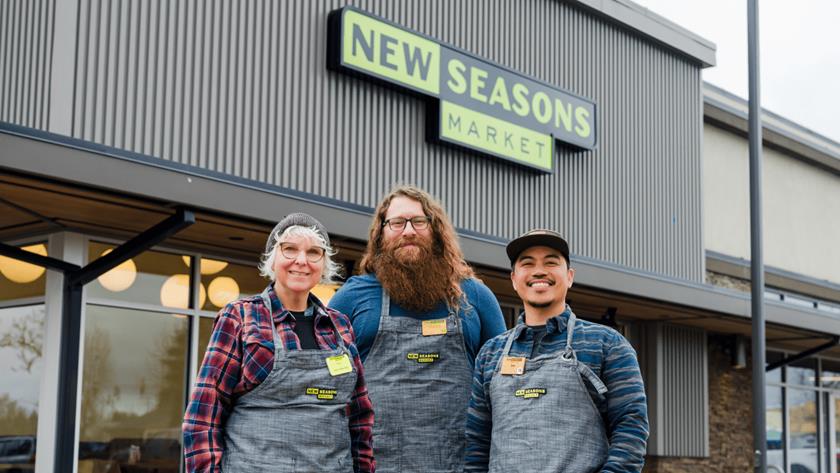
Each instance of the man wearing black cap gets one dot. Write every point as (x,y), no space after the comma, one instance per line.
(554,393)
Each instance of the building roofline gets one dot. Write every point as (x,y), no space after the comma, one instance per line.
(730,111)
(653,26)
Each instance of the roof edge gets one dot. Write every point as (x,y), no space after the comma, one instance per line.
(649,24)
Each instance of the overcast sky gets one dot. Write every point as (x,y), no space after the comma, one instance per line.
(800,53)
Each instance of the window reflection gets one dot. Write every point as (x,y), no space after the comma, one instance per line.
(803,430)
(21,343)
(132,390)
(20,280)
(775,427)
(803,372)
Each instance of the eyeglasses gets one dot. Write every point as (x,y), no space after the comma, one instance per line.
(397,224)
(291,251)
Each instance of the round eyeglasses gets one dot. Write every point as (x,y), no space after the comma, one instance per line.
(291,251)
(398,224)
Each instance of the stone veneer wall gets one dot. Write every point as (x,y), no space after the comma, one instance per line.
(730,419)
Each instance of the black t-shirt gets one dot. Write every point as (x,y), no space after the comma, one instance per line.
(305,328)
(539,333)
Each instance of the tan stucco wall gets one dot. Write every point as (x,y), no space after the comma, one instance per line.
(801,207)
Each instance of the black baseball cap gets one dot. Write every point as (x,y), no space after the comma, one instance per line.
(537,237)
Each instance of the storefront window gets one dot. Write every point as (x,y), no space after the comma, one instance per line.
(803,373)
(803,430)
(153,277)
(19,280)
(775,427)
(224,282)
(21,344)
(132,390)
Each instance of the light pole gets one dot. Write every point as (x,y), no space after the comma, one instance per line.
(756,253)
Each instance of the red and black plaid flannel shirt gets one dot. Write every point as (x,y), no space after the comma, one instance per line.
(232,368)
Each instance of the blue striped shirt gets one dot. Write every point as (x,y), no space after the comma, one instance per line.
(611,358)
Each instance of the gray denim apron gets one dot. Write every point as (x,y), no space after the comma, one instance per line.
(419,386)
(544,419)
(295,420)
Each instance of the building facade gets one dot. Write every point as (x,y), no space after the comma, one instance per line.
(214,120)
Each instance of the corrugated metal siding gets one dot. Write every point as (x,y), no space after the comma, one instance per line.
(242,88)
(25,61)
(681,423)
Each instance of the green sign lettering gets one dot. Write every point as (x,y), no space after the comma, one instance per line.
(480,105)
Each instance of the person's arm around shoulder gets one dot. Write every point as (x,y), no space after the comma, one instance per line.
(360,409)
(479,419)
(627,419)
(210,401)
(489,312)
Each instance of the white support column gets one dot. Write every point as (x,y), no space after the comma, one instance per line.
(67,247)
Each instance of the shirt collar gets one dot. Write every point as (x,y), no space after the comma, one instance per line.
(279,313)
(557,323)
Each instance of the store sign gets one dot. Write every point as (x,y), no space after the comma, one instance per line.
(476,104)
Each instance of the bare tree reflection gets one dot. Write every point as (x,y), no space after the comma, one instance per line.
(99,393)
(26,337)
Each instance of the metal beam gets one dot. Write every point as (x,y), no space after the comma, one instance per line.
(805,354)
(36,259)
(142,242)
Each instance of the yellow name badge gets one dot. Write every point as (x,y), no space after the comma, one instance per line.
(513,365)
(434,327)
(339,365)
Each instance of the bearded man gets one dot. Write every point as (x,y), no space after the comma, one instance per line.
(420,317)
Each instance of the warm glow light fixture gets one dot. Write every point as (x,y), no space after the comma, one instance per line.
(208,266)
(222,290)
(20,272)
(121,277)
(175,292)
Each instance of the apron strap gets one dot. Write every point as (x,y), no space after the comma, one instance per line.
(593,379)
(386,304)
(570,331)
(514,334)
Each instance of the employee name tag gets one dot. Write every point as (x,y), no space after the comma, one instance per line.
(434,327)
(513,365)
(339,365)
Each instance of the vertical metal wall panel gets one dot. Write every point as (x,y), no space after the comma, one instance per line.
(26,28)
(242,88)
(674,363)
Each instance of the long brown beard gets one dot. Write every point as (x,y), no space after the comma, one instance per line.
(417,278)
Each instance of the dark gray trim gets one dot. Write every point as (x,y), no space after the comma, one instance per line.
(657,28)
(31,154)
(730,112)
(776,277)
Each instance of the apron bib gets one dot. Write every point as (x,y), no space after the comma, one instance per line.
(544,419)
(419,386)
(295,420)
